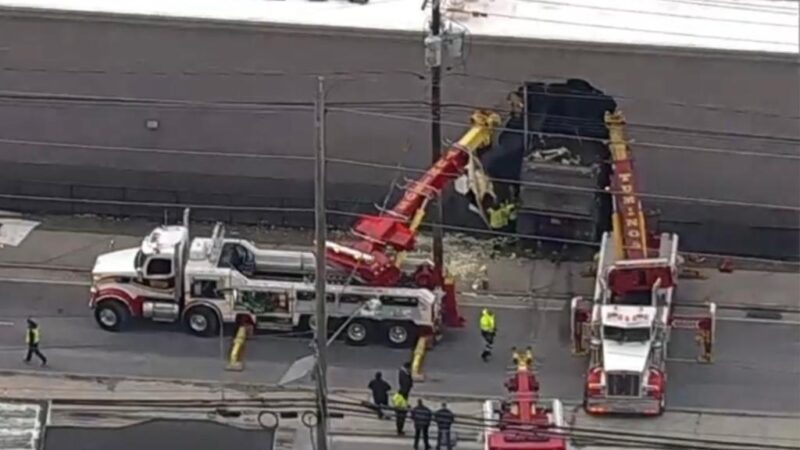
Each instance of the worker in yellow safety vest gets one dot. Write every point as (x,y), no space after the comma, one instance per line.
(501,216)
(488,331)
(400,405)
(32,338)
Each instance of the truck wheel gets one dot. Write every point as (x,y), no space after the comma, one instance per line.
(400,334)
(202,321)
(112,315)
(358,332)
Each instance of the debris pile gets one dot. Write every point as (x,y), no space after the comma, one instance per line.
(466,256)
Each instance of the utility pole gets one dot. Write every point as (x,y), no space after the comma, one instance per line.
(434,50)
(321,276)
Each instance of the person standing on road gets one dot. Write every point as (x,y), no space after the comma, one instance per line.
(32,338)
(404,380)
(422,416)
(444,421)
(380,393)
(400,406)
(488,331)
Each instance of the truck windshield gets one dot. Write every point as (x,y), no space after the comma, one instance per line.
(618,334)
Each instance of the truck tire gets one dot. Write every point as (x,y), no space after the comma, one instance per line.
(358,332)
(202,321)
(112,315)
(400,334)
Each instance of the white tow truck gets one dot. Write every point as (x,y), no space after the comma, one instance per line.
(208,282)
(625,327)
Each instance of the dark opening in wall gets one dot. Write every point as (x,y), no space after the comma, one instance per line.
(565,128)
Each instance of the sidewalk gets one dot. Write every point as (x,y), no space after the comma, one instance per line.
(90,401)
(73,243)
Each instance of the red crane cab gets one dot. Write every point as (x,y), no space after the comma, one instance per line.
(522,422)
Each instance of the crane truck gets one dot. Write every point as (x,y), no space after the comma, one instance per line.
(523,422)
(625,327)
(373,288)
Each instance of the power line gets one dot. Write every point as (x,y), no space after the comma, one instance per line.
(352,162)
(384,105)
(228,72)
(657,13)
(465,421)
(368,75)
(739,6)
(679,104)
(621,28)
(598,126)
(588,139)
(310,210)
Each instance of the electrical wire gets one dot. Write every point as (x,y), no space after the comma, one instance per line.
(516,83)
(354,408)
(570,136)
(370,76)
(465,421)
(352,214)
(621,28)
(386,106)
(657,13)
(593,124)
(739,6)
(351,162)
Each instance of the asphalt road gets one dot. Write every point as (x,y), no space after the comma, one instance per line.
(756,366)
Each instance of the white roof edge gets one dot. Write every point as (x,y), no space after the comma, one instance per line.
(752,25)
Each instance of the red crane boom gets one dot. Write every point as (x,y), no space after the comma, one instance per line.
(630,234)
(367,257)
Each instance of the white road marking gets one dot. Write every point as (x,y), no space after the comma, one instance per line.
(6,324)
(754,320)
(42,281)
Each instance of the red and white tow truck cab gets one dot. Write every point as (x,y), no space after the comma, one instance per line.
(625,327)
(522,422)
(221,280)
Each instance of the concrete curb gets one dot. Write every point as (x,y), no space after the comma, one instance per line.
(445,396)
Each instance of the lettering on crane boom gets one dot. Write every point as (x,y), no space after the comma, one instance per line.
(629,208)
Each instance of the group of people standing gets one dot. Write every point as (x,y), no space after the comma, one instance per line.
(421,416)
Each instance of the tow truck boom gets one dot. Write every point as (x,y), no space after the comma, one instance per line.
(630,234)
(367,257)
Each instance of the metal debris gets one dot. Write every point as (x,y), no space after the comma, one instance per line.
(558,155)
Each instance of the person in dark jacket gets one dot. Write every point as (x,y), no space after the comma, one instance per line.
(32,337)
(422,416)
(380,393)
(444,421)
(404,380)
